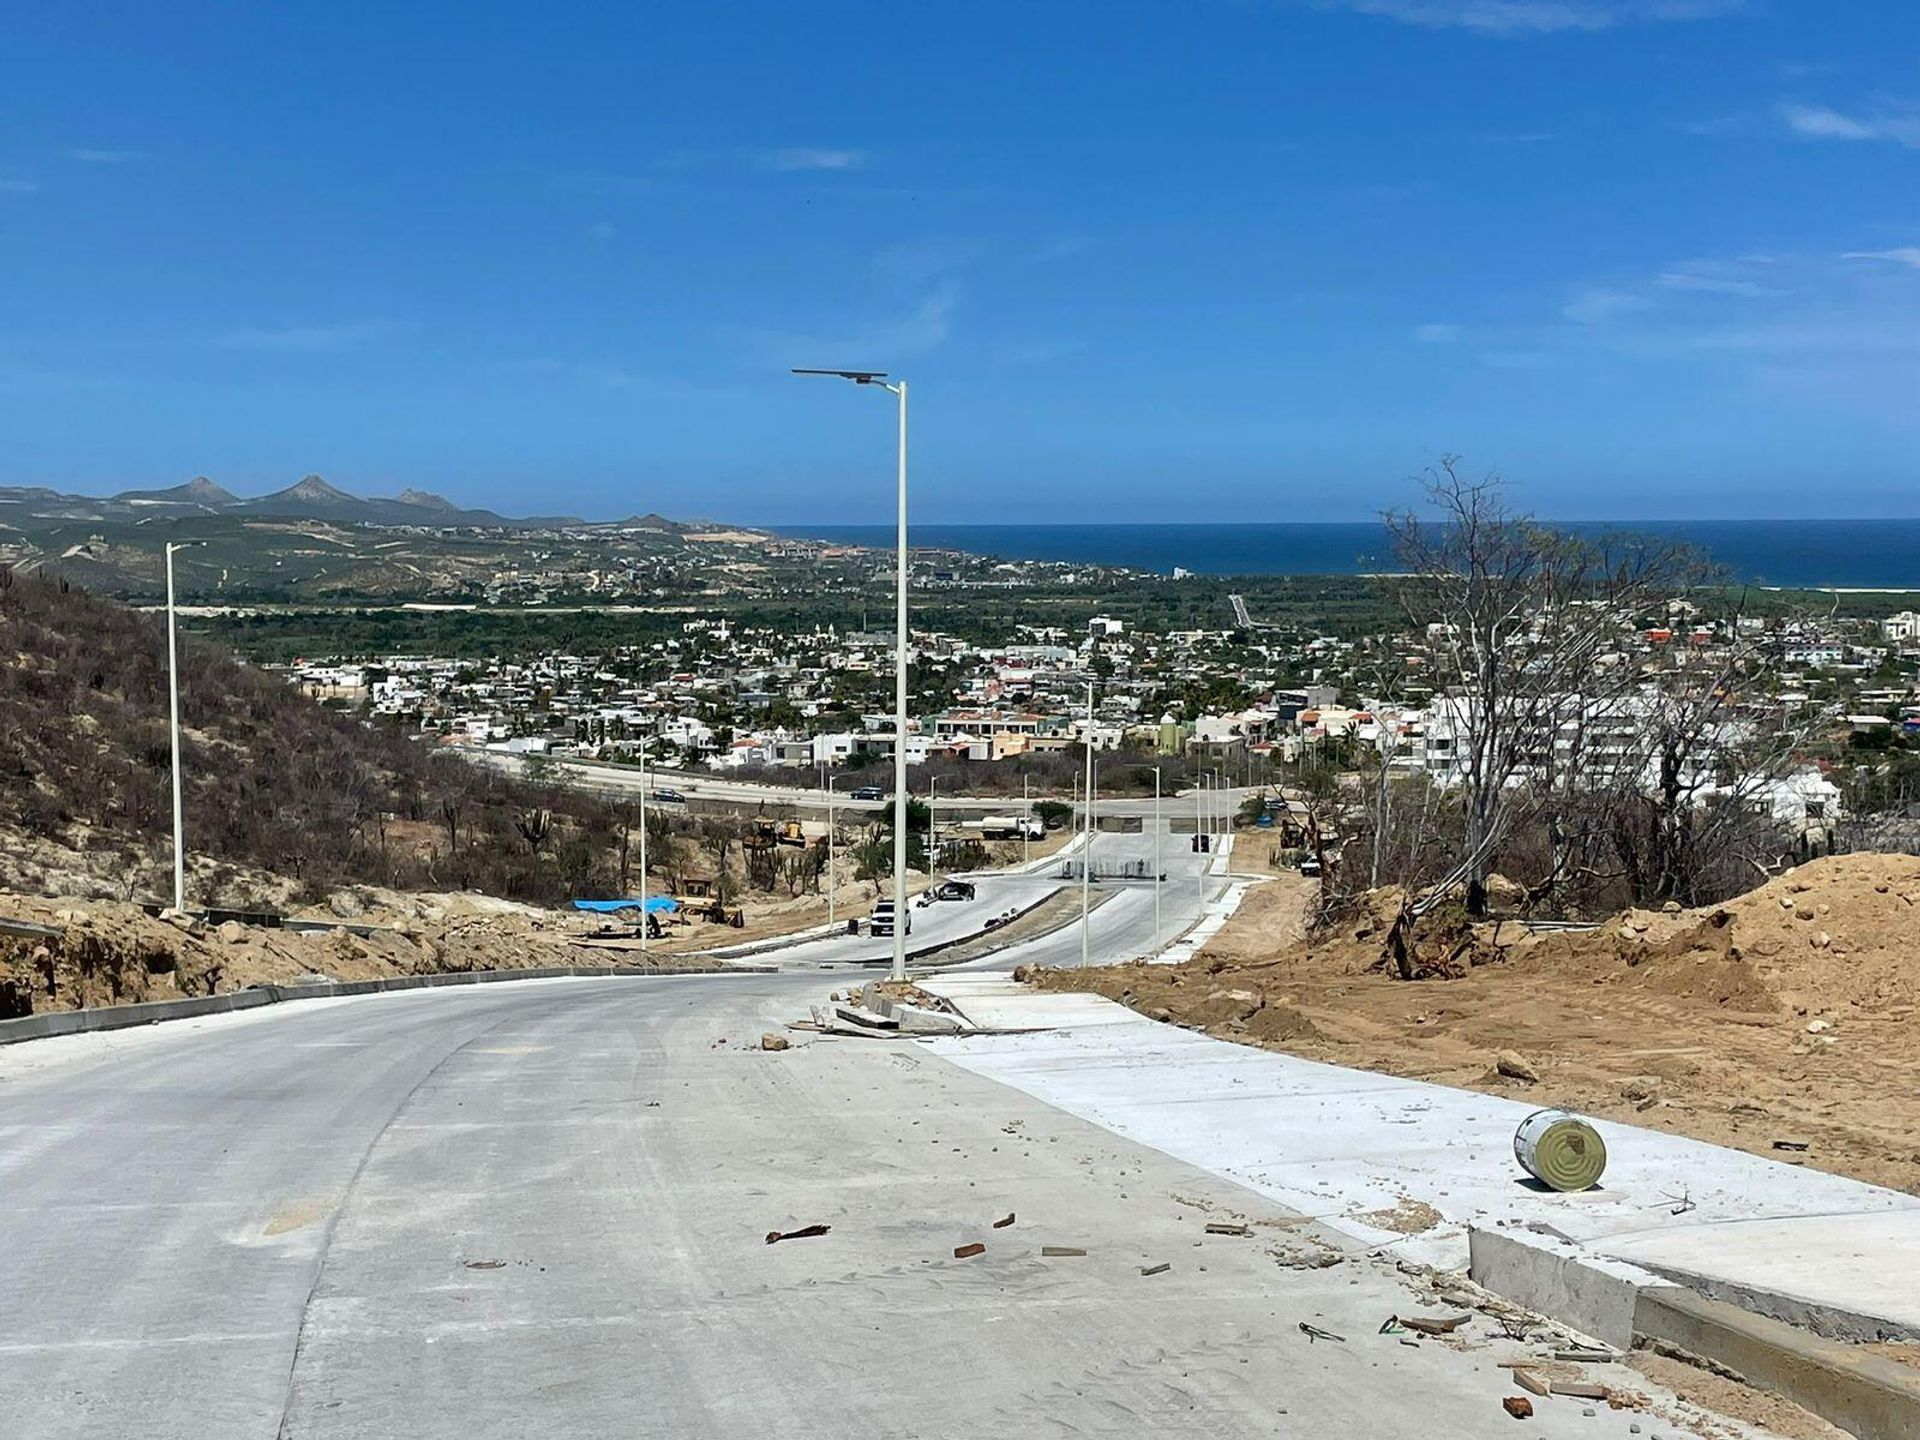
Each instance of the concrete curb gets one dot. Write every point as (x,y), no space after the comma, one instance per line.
(1595,1295)
(149,1012)
(1862,1393)
(1625,1306)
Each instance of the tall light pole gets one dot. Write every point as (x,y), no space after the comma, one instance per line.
(1026,819)
(1086,848)
(933,825)
(1156,855)
(173,715)
(899,389)
(643,845)
(832,884)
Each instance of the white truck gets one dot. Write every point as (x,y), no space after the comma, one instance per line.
(1008,827)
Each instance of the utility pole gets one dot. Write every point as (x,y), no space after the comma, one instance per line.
(1026,820)
(173,712)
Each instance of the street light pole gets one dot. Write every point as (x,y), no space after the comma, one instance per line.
(1086,848)
(1026,819)
(643,845)
(898,388)
(173,716)
(1156,855)
(832,884)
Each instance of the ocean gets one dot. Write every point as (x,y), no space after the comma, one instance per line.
(1840,554)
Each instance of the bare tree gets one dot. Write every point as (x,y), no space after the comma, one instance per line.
(1521,619)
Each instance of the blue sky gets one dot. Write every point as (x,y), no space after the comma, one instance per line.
(1205,260)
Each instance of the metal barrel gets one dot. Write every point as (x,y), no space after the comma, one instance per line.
(1559,1150)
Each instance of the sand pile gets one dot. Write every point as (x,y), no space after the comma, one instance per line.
(1784,1014)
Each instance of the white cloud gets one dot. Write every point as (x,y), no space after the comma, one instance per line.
(1903,255)
(882,343)
(1597,307)
(804,157)
(89,156)
(1539,17)
(314,339)
(1436,334)
(1712,284)
(18,187)
(1822,122)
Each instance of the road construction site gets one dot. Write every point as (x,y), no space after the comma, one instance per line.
(439,1212)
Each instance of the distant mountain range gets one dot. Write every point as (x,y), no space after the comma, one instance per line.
(309,499)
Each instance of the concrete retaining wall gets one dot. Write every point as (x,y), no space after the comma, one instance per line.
(120,1017)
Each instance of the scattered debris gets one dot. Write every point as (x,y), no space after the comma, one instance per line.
(1314,1332)
(1586,1357)
(805,1232)
(1518,1406)
(1062,1250)
(1428,1325)
(1406,1216)
(1792,1144)
(770,1041)
(1004,1221)
(1528,1381)
(1227,1227)
(1159,1269)
(967,1252)
(1580,1389)
(485,1264)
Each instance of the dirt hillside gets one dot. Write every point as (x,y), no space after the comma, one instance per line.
(111,953)
(1786,1014)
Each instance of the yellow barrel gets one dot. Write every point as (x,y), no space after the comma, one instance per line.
(1559,1150)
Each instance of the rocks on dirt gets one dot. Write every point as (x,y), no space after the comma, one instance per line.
(771,1041)
(1518,1406)
(967,1252)
(1515,1066)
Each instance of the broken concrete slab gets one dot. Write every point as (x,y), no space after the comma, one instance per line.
(913,1020)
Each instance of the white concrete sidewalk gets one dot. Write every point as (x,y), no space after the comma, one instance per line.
(1349,1146)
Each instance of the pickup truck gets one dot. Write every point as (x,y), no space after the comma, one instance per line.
(882,922)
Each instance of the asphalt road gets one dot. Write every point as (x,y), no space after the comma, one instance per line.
(1121,929)
(540,1209)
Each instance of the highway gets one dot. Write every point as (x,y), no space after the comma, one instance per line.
(541,1208)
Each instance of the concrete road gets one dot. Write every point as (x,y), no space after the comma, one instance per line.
(934,924)
(1125,927)
(540,1209)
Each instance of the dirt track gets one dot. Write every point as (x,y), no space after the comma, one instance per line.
(1786,1014)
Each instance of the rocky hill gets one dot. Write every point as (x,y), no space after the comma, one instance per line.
(285,798)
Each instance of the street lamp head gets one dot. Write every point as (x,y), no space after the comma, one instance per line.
(859,377)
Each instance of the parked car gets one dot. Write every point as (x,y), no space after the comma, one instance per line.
(953,890)
(882,923)
(670,797)
(1310,867)
(869,792)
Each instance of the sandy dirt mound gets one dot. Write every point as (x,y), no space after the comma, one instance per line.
(1786,1014)
(111,953)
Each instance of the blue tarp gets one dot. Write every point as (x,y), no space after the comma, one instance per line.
(656,905)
